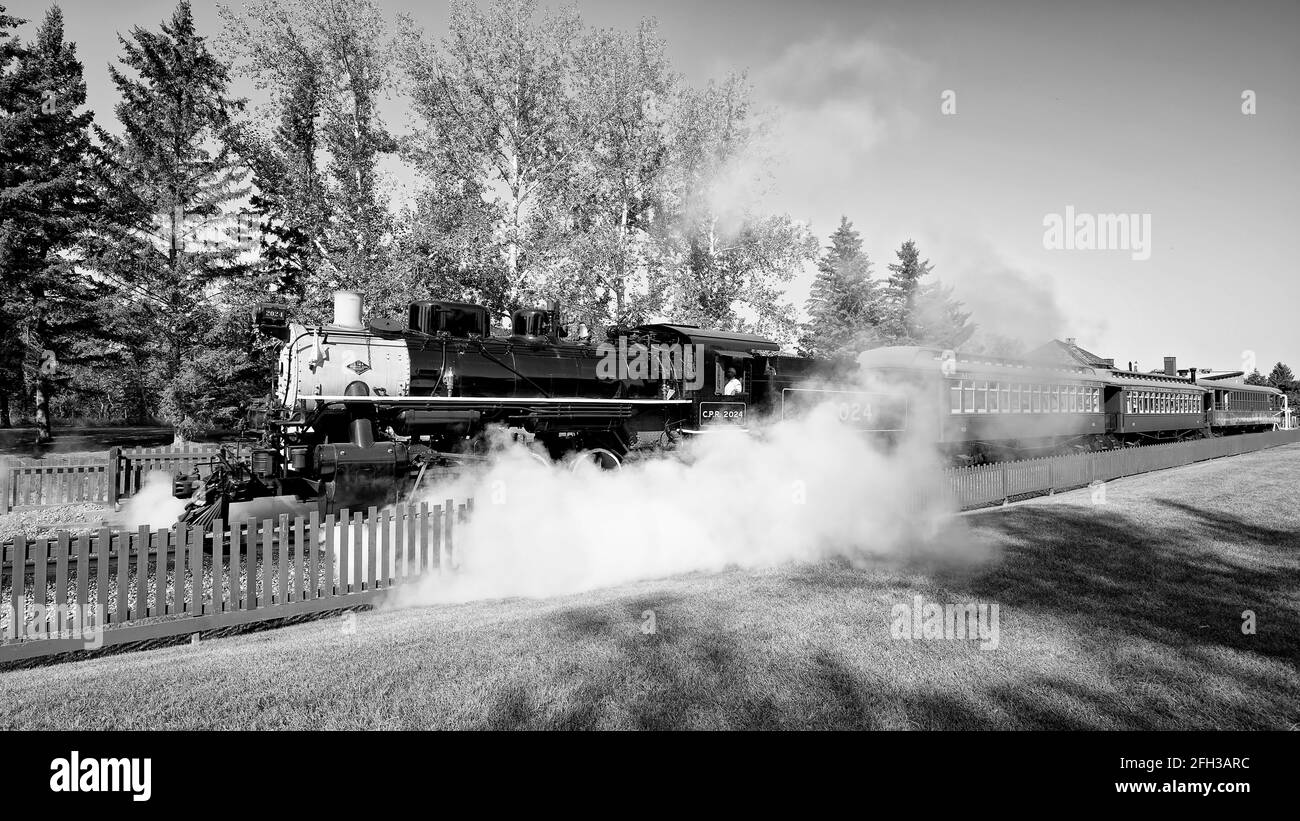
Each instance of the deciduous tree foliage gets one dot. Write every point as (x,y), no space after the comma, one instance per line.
(598,176)
(326,224)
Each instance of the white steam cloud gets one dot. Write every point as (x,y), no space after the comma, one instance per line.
(153,504)
(799,491)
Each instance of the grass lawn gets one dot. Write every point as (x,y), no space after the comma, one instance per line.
(1126,614)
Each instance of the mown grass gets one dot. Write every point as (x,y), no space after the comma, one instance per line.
(1120,615)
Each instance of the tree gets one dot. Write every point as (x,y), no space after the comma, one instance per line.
(11,351)
(901,292)
(174,179)
(599,227)
(1256,378)
(726,262)
(498,122)
(47,200)
(843,303)
(938,317)
(326,226)
(1281,377)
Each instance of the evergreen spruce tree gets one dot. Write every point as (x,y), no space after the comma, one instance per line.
(174,182)
(1281,377)
(901,293)
(844,302)
(47,202)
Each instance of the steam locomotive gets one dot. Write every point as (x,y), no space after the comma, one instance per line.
(368,414)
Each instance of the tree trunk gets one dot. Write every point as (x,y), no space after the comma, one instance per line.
(44,368)
(41,399)
(4,410)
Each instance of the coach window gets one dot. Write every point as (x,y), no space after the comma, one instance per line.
(954,394)
(995,390)
(981,397)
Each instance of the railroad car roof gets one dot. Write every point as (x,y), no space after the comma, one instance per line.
(1131,379)
(919,358)
(724,339)
(1237,386)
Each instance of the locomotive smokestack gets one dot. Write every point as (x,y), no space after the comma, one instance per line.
(347,309)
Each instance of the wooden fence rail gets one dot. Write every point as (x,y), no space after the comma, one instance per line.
(107,588)
(91,478)
(982,485)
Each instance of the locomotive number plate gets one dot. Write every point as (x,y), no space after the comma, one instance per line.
(722,413)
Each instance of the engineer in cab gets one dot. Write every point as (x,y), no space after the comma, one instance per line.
(733,386)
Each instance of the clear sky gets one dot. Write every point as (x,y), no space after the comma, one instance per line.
(1109,107)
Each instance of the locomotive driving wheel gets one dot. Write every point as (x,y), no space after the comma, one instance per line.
(603,458)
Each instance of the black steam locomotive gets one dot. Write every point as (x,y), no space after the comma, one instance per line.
(368,414)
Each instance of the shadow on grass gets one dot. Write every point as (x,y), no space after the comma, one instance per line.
(1160,599)
(1155,600)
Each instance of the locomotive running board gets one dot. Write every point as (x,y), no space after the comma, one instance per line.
(479,400)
